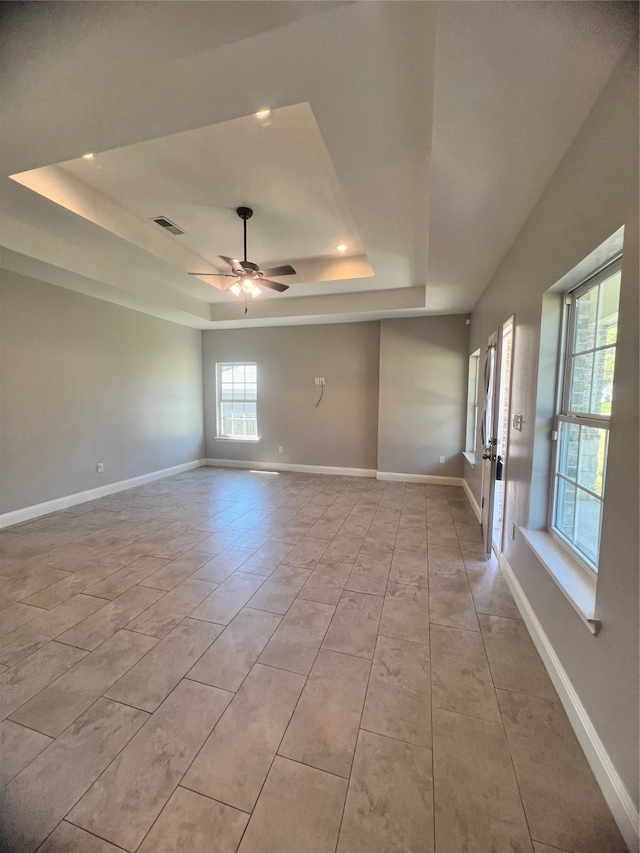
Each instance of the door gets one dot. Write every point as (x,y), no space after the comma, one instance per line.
(494,435)
(486,434)
(502,434)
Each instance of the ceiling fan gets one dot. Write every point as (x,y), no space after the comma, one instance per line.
(247,277)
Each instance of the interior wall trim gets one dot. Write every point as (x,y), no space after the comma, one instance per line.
(289,466)
(17,516)
(475,506)
(615,793)
(419,478)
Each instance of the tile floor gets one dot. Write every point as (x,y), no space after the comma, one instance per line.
(226,660)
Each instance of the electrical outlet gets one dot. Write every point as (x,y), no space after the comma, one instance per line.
(516,422)
(280,448)
(100,467)
(442,460)
(319,380)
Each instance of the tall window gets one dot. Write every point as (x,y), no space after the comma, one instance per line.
(582,424)
(472,402)
(237,394)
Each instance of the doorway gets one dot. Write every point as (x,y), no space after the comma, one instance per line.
(495,435)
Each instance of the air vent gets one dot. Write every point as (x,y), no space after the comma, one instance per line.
(167,224)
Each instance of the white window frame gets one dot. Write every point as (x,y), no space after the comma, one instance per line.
(220,434)
(564,414)
(472,403)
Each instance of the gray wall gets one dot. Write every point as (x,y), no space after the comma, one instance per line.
(84,381)
(341,432)
(593,192)
(423,389)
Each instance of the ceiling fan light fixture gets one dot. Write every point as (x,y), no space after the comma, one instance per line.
(255,292)
(341,247)
(236,289)
(247,285)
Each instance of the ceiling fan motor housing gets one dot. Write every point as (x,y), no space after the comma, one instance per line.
(244,213)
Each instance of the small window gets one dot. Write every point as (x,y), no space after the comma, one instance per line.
(237,396)
(582,421)
(472,402)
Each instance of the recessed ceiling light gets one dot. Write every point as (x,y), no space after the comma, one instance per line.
(341,247)
(263,114)
(87,156)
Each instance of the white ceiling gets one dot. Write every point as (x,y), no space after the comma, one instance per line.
(420,134)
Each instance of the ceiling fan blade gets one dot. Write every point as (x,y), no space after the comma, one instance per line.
(235,265)
(274,285)
(223,274)
(278,271)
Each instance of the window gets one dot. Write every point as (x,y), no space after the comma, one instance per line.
(237,394)
(582,422)
(472,402)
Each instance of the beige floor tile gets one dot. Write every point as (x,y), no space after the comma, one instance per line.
(26,679)
(562,800)
(266,559)
(178,570)
(143,777)
(17,615)
(163,616)
(514,660)
(114,615)
(229,598)
(292,532)
(307,553)
(344,548)
(122,580)
(324,727)
(74,583)
(326,528)
(326,582)
(18,747)
(226,663)
(477,802)
(175,547)
(224,564)
(234,762)
(150,681)
(405,613)
(412,538)
(354,627)
(451,603)
(299,809)
(398,702)
(279,591)
(544,848)
(59,704)
(27,582)
(26,640)
(460,676)
(37,799)
(296,641)
(441,533)
(67,838)
(389,804)
(369,574)
(445,562)
(409,567)
(491,594)
(191,822)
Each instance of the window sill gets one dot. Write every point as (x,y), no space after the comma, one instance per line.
(470,457)
(575,583)
(236,440)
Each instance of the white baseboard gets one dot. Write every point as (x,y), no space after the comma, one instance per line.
(419,478)
(475,506)
(28,513)
(617,797)
(289,466)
